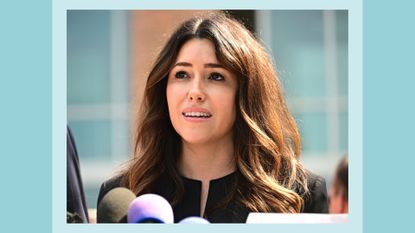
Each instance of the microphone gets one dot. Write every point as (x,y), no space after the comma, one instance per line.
(114,206)
(194,220)
(150,208)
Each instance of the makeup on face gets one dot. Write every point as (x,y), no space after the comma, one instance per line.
(201,93)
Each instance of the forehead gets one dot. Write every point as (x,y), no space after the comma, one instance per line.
(196,50)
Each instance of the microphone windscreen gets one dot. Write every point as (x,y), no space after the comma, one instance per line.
(114,206)
(194,220)
(150,208)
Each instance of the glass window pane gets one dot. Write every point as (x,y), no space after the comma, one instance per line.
(121,139)
(92,138)
(344,131)
(88,57)
(313,131)
(298,48)
(342,52)
(91,196)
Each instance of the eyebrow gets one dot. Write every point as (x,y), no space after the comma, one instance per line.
(208,65)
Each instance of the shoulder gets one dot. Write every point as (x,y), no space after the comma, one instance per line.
(315,182)
(108,185)
(316,200)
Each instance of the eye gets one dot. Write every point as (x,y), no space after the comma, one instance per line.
(216,77)
(181,75)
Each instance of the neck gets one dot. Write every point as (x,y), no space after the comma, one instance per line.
(207,162)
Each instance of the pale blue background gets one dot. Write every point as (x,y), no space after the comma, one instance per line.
(25,116)
(25,122)
(389,115)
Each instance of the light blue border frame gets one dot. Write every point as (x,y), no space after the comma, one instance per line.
(59,121)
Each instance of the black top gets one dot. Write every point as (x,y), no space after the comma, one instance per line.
(233,212)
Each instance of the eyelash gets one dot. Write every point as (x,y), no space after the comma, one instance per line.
(180,74)
(216,77)
(213,76)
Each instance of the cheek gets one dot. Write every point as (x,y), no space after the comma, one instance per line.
(172,98)
(227,107)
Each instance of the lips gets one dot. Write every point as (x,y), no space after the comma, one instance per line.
(196,113)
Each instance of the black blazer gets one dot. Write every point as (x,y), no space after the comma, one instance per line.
(75,196)
(232,212)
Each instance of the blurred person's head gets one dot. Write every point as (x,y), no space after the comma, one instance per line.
(250,107)
(338,196)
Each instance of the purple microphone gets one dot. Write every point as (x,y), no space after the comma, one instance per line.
(150,208)
(194,220)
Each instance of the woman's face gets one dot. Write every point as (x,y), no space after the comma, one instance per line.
(201,94)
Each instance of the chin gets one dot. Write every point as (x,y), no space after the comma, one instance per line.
(194,139)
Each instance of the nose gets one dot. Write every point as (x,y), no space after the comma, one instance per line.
(196,92)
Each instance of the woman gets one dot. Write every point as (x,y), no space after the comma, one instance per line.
(216,138)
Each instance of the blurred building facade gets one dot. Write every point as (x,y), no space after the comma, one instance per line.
(109,54)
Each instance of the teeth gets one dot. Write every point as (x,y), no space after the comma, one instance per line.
(196,114)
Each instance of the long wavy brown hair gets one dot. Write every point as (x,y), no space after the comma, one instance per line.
(270,176)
